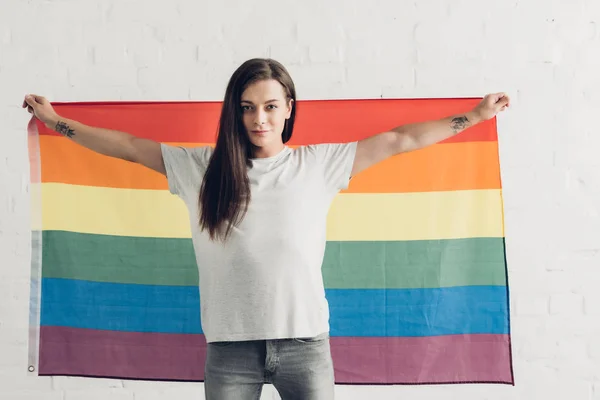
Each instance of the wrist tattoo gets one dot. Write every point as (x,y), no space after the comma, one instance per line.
(459,123)
(64,129)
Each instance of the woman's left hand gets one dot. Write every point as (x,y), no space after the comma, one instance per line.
(491,105)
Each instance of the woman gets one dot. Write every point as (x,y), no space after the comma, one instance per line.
(258,210)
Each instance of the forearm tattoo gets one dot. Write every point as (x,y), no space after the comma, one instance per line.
(459,123)
(64,129)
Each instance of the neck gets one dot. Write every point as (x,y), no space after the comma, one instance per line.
(269,151)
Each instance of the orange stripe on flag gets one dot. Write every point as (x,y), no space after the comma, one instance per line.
(442,167)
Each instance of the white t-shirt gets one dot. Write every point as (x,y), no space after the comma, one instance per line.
(265,281)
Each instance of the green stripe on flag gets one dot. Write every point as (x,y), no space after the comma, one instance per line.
(347,265)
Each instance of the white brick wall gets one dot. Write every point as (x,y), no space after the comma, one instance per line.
(545,53)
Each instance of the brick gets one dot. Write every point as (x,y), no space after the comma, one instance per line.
(309,31)
(125,12)
(113,54)
(151,87)
(144,54)
(572,348)
(580,232)
(461,42)
(50,34)
(571,389)
(574,368)
(289,54)
(538,348)
(318,54)
(15,58)
(566,304)
(30,395)
(528,326)
(377,75)
(5,35)
(71,384)
(596,391)
(316,79)
(13,335)
(179,54)
(182,392)
(96,394)
(532,305)
(147,386)
(593,349)
(431,81)
(15,376)
(591,304)
(551,384)
(560,281)
(98,76)
(570,325)
(149,395)
(13,354)
(362,52)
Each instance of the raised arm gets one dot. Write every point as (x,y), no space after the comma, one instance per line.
(111,143)
(401,139)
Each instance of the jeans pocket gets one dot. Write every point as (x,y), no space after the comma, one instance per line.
(316,339)
(221,344)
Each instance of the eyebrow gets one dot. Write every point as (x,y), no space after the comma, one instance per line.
(268,101)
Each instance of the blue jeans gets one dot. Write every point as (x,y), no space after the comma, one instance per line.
(297,368)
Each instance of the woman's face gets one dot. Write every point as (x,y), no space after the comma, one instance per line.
(264,112)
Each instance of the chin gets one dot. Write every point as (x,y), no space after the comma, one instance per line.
(259,142)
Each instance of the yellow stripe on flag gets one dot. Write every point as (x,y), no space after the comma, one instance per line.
(353,216)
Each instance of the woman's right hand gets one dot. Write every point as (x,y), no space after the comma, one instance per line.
(41,108)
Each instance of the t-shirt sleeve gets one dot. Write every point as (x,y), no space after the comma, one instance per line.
(185,166)
(336,160)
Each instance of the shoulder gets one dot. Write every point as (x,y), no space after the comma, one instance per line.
(327,151)
(178,154)
(185,166)
(334,160)
(325,147)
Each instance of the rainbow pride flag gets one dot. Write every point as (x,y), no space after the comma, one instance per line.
(415,269)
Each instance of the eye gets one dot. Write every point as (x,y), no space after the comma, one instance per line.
(272,105)
(245,108)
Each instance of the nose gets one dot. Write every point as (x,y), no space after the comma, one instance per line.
(260,117)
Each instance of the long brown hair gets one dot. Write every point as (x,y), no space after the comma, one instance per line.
(225,190)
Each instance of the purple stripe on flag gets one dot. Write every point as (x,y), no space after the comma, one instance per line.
(135,355)
(357,360)
(422,360)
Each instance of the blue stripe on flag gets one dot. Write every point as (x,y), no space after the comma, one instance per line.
(353,312)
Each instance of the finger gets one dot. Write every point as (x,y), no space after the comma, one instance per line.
(36,98)
(30,100)
(502,100)
(495,97)
(33,99)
